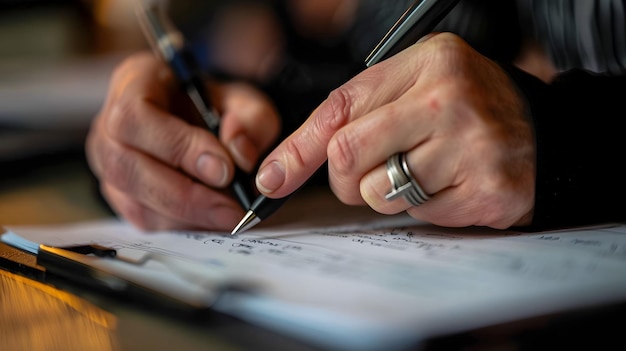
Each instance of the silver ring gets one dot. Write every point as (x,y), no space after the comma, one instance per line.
(402,182)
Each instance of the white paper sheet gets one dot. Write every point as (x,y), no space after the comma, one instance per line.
(378,283)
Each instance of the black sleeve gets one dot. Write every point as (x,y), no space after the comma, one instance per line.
(589,34)
(581,143)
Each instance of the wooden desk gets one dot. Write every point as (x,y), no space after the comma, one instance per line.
(39,317)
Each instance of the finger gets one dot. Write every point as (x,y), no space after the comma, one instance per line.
(166,191)
(485,196)
(141,216)
(303,152)
(131,210)
(142,76)
(136,114)
(92,141)
(369,141)
(250,124)
(143,126)
(434,165)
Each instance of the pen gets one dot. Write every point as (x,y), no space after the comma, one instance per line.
(418,20)
(169,44)
(261,208)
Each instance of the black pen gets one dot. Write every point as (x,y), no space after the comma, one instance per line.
(261,208)
(417,21)
(169,44)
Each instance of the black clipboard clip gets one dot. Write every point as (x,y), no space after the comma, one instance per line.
(73,263)
(141,274)
(169,282)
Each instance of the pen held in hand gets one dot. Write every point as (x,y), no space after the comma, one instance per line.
(168,43)
(417,21)
(262,208)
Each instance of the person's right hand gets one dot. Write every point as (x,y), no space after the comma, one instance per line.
(159,171)
(457,115)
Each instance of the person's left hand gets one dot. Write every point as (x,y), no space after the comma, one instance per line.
(456,114)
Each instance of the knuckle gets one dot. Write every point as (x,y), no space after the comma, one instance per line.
(121,69)
(339,189)
(178,146)
(122,118)
(129,64)
(342,153)
(295,152)
(341,102)
(449,42)
(449,37)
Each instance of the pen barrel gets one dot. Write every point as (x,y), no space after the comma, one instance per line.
(242,188)
(417,21)
(207,116)
(169,43)
(264,206)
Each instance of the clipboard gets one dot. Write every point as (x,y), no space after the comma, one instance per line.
(364,285)
(158,280)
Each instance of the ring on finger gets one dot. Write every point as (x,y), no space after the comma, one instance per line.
(402,181)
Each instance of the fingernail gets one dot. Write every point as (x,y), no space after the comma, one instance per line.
(243,151)
(270,177)
(212,169)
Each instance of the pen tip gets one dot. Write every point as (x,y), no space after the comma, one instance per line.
(248,221)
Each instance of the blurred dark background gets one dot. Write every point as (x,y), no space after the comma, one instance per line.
(55,60)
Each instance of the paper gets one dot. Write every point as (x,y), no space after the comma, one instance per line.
(383,282)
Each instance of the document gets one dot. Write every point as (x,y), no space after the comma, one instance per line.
(368,281)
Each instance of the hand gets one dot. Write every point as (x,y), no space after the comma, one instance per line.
(456,114)
(158,170)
